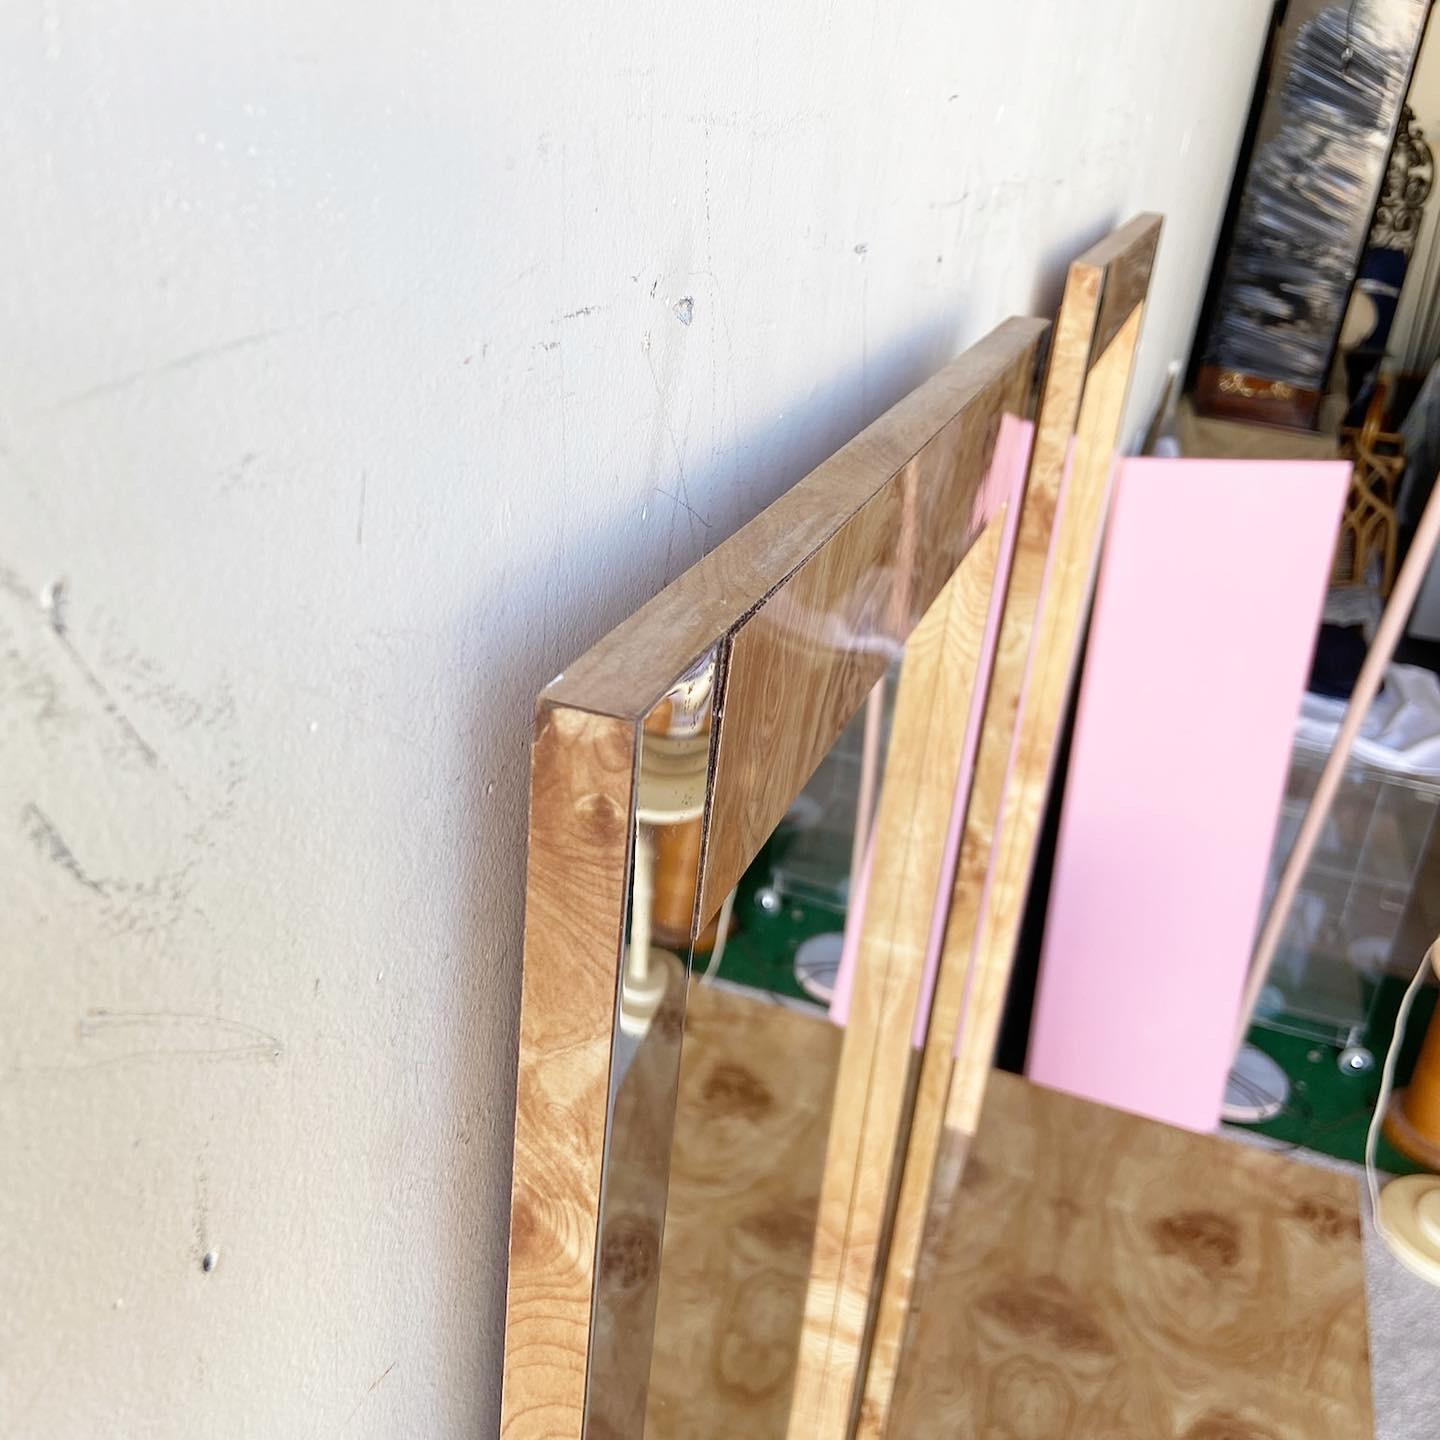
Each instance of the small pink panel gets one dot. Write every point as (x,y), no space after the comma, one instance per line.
(1205,615)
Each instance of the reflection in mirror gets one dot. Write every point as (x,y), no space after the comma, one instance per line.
(757,1074)
(787,934)
(738,1140)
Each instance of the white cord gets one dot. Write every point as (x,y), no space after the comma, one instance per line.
(1387,1083)
(721,933)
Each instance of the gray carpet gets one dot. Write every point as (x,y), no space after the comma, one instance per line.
(1404,1346)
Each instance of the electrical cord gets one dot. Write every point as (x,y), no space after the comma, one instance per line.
(722,933)
(1387,1085)
(1294,1106)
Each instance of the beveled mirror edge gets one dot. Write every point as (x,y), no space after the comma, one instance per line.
(673,786)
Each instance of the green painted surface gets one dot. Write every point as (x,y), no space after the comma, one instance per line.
(761,949)
(1330,1110)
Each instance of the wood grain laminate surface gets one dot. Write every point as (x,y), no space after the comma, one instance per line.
(1104,1277)
(583,775)
(804,606)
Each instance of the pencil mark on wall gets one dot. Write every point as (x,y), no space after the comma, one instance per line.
(113,1037)
(239,476)
(24,678)
(202,1251)
(680,497)
(110,1039)
(50,843)
(373,1387)
(684,505)
(191,358)
(52,606)
(150,888)
(582,311)
(14,586)
(174,366)
(143,679)
(520,275)
(110,705)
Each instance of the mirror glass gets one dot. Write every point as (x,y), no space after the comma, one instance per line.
(757,1072)
(726,1052)
(661,944)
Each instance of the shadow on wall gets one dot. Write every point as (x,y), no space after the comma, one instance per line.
(1054,263)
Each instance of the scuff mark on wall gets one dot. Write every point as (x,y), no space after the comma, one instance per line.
(191,358)
(138,743)
(49,842)
(109,1039)
(52,600)
(49,609)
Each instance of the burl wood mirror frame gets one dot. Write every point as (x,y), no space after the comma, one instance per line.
(862,547)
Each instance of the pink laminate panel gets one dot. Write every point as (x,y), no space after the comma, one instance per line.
(1206,608)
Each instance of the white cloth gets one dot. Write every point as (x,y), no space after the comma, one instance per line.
(1401,732)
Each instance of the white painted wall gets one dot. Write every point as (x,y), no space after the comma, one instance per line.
(343,400)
